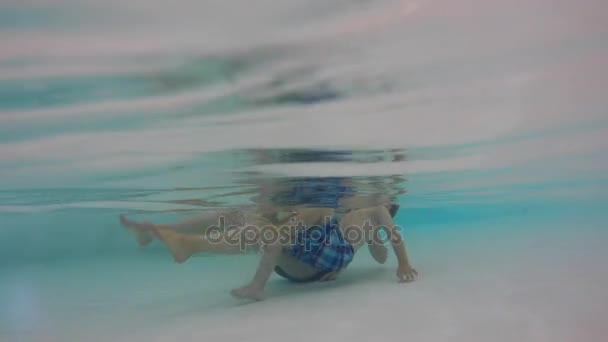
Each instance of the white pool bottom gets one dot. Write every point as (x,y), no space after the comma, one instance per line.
(479,283)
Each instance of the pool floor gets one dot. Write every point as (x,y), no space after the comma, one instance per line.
(509,280)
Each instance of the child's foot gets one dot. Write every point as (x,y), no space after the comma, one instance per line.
(176,243)
(248,292)
(141,231)
(141,226)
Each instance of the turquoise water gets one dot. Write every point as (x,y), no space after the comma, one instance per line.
(485,121)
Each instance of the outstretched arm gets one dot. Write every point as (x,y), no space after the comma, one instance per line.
(405,272)
(370,220)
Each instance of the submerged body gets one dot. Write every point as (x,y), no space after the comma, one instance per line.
(321,258)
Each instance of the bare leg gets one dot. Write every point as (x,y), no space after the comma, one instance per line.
(255,289)
(140,230)
(196,225)
(273,255)
(379,252)
(376,246)
(200,224)
(183,246)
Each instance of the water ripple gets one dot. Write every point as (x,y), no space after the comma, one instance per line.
(149,96)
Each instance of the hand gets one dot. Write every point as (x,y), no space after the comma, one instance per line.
(406,274)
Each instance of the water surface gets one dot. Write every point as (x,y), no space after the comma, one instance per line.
(485,120)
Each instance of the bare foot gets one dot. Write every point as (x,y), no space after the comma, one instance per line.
(177,244)
(143,226)
(141,231)
(248,292)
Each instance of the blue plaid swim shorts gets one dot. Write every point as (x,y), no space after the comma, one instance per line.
(323,248)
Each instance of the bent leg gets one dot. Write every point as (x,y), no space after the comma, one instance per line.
(183,246)
(379,252)
(200,224)
(196,225)
(255,289)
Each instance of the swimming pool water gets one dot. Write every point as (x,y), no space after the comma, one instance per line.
(485,121)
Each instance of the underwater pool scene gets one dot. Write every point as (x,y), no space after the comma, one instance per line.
(482,124)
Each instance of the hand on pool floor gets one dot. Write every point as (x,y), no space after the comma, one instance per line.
(406,274)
